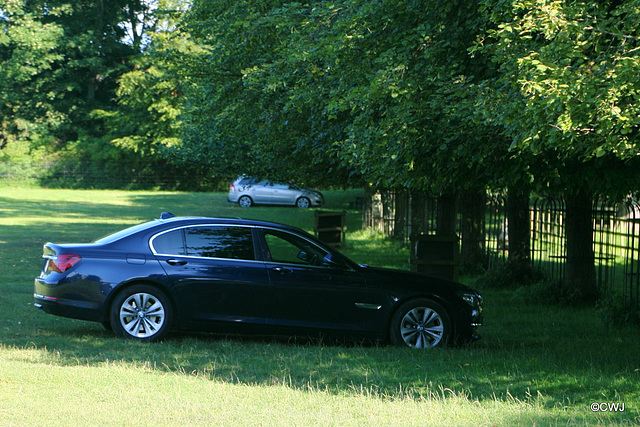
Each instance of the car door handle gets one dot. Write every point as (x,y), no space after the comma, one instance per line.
(176,262)
(281,270)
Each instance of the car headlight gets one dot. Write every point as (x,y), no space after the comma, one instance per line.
(473,299)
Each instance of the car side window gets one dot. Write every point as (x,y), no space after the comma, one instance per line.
(170,243)
(287,248)
(220,242)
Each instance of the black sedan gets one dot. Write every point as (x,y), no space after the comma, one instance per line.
(237,276)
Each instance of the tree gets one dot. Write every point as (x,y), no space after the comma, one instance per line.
(238,120)
(27,52)
(61,63)
(381,90)
(144,127)
(568,87)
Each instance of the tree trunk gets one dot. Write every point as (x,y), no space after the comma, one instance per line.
(518,231)
(367,211)
(580,272)
(446,215)
(473,210)
(388,211)
(418,212)
(400,218)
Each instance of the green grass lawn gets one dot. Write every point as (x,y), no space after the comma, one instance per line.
(536,365)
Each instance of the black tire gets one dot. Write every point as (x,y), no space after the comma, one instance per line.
(303,203)
(142,313)
(420,323)
(245,202)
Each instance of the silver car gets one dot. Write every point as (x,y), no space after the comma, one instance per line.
(247,191)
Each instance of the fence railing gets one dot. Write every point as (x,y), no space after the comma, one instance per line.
(76,174)
(616,228)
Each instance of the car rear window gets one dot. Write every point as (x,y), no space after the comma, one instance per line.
(125,233)
(247,181)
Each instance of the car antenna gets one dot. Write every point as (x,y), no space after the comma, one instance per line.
(166,215)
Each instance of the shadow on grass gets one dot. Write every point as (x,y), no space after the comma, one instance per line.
(535,366)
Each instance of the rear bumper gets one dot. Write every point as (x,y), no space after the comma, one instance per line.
(67,308)
(48,300)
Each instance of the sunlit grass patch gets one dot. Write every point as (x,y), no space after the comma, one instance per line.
(373,248)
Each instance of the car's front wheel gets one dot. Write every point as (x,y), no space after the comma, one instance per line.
(303,203)
(142,313)
(245,202)
(420,323)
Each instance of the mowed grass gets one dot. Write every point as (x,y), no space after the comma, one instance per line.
(536,365)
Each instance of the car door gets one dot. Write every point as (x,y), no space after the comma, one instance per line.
(282,195)
(308,293)
(262,192)
(214,271)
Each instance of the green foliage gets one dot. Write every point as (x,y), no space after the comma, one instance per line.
(548,291)
(145,124)
(71,84)
(396,93)
(374,89)
(236,123)
(528,284)
(503,275)
(568,84)
(27,52)
(617,311)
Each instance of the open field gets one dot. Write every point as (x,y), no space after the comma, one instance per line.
(536,365)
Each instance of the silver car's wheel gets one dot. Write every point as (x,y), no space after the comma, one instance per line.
(141,312)
(303,203)
(420,324)
(245,202)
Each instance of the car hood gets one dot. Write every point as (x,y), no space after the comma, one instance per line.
(412,280)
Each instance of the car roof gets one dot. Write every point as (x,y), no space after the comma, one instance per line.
(221,220)
(167,219)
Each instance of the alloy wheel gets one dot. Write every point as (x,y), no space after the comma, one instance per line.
(142,315)
(422,327)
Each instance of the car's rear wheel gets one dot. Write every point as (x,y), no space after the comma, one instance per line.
(141,312)
(420,323)
(303,202)
(245,201)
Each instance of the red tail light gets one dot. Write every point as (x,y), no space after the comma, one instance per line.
(232,188)
(62,263)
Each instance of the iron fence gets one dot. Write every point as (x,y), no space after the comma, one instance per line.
(616,228)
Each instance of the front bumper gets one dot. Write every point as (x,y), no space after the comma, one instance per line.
(317,200)
(477,318)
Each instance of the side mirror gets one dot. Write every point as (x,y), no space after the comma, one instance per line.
(302,255)
(330,260)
